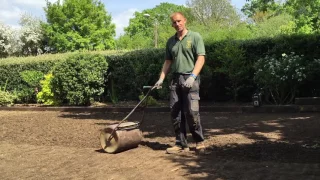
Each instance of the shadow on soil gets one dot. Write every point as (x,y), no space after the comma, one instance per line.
(277,146)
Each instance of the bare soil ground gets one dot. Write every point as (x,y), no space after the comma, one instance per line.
(65,145)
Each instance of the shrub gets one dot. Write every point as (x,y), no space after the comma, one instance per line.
(32,77)
(6,98)
(280,77)
(46,96)
(28,91)
(232,63)
(25,95)
(150,101)
(79,79)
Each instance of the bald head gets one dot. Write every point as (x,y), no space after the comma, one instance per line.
(177,13)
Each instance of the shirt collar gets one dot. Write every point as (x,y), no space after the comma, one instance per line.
(176,35)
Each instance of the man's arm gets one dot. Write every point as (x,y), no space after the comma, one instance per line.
(165,69)
(196,70)
(199,64)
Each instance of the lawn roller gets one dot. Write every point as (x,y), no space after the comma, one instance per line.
(123,136)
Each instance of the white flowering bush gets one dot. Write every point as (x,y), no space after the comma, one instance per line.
(24,41)
(31,35)
(9,41)
(280,77)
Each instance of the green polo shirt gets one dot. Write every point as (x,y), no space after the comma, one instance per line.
(184,53)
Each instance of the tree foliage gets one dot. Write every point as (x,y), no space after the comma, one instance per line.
(252,7)
(78,25)
(159,15)
(306,14)
(202,15)
(142,30)
(137,41)
(220,12)
(273,26)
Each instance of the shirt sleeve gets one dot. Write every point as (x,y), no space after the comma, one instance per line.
(168,55)
(199,45)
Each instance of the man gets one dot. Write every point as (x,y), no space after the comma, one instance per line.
(185,56)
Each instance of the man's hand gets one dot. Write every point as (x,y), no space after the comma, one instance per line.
(159,83)
(189,82)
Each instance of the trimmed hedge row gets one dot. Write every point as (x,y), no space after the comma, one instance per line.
(128,72)
(133,70)
(306,45)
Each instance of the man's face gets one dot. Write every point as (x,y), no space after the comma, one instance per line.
(178,22)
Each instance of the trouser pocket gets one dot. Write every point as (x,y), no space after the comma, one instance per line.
(194,102)
(173,95)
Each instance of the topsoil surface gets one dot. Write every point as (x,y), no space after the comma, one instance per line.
(65,145)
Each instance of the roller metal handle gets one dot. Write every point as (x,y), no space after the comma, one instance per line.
(144,87)
(151,87)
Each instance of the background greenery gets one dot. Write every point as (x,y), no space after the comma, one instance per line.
(243,51)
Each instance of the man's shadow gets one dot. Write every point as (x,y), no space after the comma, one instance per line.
(155,145)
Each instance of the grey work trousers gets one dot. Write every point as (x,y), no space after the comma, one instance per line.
(184,106)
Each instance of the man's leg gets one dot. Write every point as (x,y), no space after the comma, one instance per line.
(191,107)
(177,117)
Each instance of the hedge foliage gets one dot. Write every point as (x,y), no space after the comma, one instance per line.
(79,79)
(133,70)
(228,73)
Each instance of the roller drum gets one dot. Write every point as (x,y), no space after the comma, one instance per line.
(122,138)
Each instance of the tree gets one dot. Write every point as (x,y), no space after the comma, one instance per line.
(9,42)
(214,12)
(31,35)
(5,35)
(157,25)
(78,25)
(306,14)
(137,41)
(273,26)
(252,7)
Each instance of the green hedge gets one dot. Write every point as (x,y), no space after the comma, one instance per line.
(80,79)
(10,68)
(307,45)
(128,72)
(133,70)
